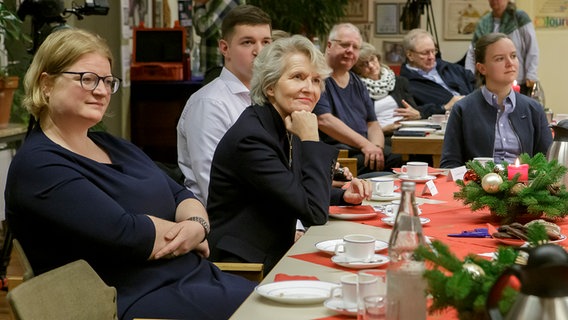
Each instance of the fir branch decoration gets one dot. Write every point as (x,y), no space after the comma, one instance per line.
(542,195)
(452,283)
(465,285)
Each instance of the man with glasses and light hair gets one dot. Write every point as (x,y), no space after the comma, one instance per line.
(435,84)
(346,114)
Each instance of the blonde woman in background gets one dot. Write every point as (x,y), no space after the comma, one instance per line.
(391,96)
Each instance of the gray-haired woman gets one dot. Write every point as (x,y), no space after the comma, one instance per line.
(270,168)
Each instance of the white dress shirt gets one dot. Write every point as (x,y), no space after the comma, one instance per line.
(207,115)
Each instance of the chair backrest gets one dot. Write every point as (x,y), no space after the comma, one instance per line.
(19,268)
(73,291)
(251,271)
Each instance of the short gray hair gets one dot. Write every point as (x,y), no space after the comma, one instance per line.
(346,25)
(269,65)
(410,39)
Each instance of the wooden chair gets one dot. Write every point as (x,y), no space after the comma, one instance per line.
(72,291)
(345,161)
(251,271)
(19,268)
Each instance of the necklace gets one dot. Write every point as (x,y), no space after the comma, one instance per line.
(290,151)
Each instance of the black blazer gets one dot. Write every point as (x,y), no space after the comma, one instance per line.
(255,198)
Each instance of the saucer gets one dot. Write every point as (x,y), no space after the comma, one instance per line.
(296,291)
(405,177)
(391,209)
(390,220)
(386,197)
(328,246)
(376,261)
(338,305)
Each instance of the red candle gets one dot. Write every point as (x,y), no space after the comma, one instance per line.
(522,169)
(516,87)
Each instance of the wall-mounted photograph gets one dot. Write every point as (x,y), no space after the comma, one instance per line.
(393,52)
(461,17)
(357,11)
(386,18)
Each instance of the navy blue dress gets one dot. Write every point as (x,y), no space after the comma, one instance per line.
(62,207)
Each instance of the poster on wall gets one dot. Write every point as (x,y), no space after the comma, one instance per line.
(357,11)
(386,18)
(551,14)
(461,17)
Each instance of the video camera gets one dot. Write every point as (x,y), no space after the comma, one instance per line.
(50,15)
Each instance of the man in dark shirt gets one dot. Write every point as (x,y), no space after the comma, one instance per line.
(346,115)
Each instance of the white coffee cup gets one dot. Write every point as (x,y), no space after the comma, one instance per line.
(382,186)
(356,247)
(437,118)
(347,291)
(415,169)
(483,160)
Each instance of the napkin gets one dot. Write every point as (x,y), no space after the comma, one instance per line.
(287,277)
(352,209)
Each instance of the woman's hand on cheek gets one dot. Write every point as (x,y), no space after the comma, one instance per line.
(303,124)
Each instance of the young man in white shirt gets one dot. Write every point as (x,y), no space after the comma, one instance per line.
(212,110)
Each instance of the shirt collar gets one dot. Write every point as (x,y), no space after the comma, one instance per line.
(422,72)
(491,98)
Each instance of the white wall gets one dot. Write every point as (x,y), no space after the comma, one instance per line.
(553,45)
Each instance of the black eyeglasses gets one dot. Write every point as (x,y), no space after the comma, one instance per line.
(347,45)
(426,53)
(90,80)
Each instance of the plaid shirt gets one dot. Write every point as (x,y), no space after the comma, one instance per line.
(207,20)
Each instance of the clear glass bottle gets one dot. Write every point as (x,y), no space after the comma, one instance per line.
(405,283)
(537,93)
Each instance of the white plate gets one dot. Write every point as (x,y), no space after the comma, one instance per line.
(440,132)
(417,123)
(421,179)
(338,305)
(297,291)
(422,129)
(328,246)
(393,196)
(390,220)
(353,216)
(377,261)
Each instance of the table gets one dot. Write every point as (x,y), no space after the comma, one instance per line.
(447,216)
(431,144)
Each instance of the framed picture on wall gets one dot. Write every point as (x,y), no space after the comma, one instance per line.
(357,11)
(386,18)
(461,17)
(393,53)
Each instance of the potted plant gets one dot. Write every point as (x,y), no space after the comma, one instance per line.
(14,60)
(311,18)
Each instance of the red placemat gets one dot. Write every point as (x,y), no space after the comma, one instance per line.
(352,209)
(288,277)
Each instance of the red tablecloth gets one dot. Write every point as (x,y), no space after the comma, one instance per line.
(449,217)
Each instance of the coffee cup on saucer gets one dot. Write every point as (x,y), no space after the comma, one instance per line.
(356,247)
(415,169)
(382,186)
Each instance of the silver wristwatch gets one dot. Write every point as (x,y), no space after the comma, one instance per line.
(203,223)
